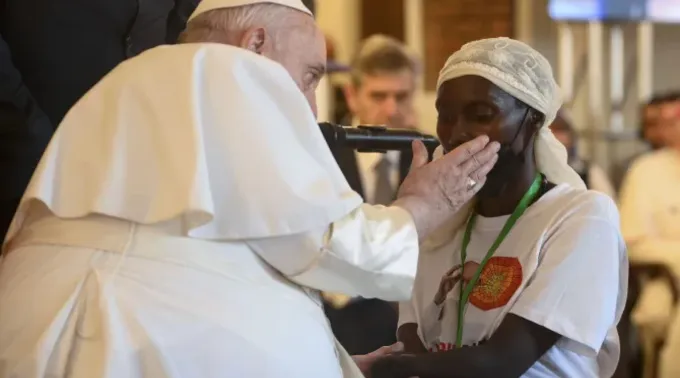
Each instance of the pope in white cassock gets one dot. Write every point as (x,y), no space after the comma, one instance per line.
(188,210)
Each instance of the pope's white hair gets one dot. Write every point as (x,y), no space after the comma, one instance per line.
(224,25)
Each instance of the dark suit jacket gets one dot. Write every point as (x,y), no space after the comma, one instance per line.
(347,161)
(63,48)
(25,131)
(364,325)
(51,53)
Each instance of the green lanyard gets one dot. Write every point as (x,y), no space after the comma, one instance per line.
(466,290)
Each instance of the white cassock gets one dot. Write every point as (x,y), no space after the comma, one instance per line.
(180,224)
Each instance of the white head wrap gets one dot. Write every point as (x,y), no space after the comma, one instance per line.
(214,135)
(525,74)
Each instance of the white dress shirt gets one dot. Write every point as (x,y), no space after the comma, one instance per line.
(367,162)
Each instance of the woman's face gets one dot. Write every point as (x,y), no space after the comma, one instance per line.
(470,106)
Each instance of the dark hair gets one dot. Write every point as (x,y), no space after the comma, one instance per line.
(381,54)
(657,99)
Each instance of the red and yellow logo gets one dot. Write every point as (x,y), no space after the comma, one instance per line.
(499,280)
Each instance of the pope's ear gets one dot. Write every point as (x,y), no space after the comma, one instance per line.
(256,40)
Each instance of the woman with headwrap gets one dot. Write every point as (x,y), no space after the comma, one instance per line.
(531,280)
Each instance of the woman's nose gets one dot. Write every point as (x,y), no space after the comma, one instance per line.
(460,138)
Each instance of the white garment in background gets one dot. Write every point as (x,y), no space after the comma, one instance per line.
(650,209)
(562,266)
(230,214)
(650,222)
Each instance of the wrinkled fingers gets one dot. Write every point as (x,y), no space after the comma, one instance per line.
(480,173)
(466,151)
(488,155)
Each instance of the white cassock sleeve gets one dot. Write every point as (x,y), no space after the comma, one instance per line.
(372,253)
(580,285)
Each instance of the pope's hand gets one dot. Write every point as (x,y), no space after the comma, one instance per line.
(432,192)
(365,361)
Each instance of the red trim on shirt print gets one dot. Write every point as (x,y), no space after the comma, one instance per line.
(498,282)
(443,347)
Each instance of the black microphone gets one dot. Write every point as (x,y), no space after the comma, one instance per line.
(374,138)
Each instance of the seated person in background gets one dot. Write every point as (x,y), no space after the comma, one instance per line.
(650,222)
(530,281)
(650,134)
(594,177)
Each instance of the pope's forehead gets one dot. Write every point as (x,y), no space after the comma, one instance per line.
(304,31)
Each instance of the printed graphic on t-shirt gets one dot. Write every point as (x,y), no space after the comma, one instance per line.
(499,280)
(443,347)
(497,283)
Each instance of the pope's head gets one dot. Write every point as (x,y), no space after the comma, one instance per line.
(281,30)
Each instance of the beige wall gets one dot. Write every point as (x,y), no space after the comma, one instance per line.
(340,20)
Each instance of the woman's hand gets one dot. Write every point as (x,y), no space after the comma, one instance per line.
(449,280)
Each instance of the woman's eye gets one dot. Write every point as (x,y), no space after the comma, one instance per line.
(480,114)
(445,118)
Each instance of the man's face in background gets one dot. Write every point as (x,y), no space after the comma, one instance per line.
(652,126)
(384,99)
(669,124)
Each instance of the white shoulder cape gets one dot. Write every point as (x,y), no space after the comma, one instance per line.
(212,134)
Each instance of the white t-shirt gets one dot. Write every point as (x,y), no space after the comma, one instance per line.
(562,266)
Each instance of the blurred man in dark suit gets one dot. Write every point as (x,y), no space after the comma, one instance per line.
(24,133)
(381,92)
(51,53)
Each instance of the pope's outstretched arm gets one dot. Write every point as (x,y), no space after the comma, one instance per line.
(373,251)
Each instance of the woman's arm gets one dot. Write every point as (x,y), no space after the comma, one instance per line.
(408,334)
(511,351)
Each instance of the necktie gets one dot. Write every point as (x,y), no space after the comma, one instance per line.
(384,192)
